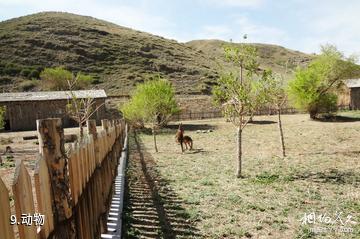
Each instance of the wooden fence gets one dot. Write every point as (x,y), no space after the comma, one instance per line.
(216,113)
(73,185)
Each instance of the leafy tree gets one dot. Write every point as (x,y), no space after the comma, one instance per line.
(34,74)
(245,56)
(152,102)
(241,95)
(83,81)
(59,78)
(314,87)
(56,78)
(79,110)
(131,112)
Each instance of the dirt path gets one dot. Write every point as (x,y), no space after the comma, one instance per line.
(152,208)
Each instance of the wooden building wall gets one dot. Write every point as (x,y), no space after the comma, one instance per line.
(22,115)
(355,98)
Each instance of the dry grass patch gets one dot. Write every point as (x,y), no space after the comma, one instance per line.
(321,175)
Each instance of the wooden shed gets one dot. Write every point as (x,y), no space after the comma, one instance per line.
(354,87)
(24,108)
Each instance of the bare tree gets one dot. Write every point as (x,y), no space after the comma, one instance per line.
(80,109)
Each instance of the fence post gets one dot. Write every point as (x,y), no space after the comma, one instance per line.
(7,231)
(52,148)
(91,127)
(105,124)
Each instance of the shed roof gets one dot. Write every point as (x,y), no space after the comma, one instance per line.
(50,95)
(353,83)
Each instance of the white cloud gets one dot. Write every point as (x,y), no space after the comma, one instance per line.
(216,32)
(260,32)
(234,3)
(304,28)
(241,26)
(334,23)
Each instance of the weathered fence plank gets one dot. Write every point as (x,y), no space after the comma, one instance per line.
(91,127)
(72,188)
(6,229)
(81,158)
(24,202)
(44,196)
(73,175)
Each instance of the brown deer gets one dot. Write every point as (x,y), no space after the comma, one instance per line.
(183,139)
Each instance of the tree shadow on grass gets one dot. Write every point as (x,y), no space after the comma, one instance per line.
(172,128)
(344,153)
(338,119)
(333,176)
(196,151)
(260,122)
(152,208)
(191,127)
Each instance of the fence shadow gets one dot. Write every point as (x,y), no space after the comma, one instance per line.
(152,208)
(333,176)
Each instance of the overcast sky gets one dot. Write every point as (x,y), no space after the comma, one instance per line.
(297,24)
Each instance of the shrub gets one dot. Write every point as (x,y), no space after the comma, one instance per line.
(55,78)
(28,85)
(25,72)
(34,74)
(83,81)
(11,69)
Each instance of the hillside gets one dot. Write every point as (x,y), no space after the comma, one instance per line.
(275,57)
(116,56)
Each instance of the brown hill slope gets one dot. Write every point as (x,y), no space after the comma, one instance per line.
(116,56)
(275,57)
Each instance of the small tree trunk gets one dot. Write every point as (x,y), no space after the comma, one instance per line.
(81,132)
(154,134)
(313,113)
(239,151)
(281,133)
(241,74)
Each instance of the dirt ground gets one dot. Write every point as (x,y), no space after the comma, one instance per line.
(196,194)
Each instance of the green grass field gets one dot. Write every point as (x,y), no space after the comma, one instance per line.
(196,194)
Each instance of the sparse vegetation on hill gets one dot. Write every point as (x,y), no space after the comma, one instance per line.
(116,57)
(277,58)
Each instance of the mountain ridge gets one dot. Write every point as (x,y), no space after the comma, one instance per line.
(117,57)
